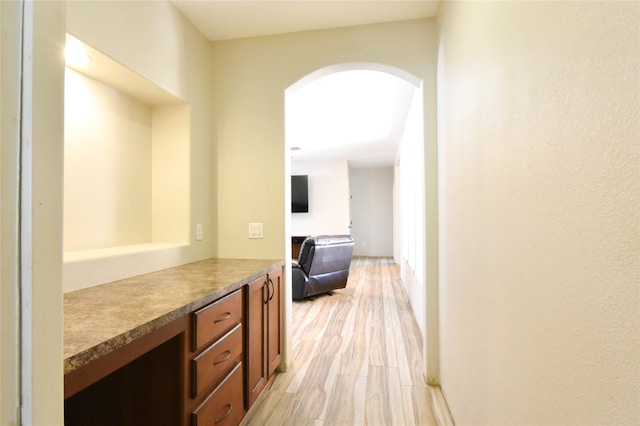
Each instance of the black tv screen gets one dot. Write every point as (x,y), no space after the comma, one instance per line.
(299,194)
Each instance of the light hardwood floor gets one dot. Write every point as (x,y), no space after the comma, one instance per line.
(357,358)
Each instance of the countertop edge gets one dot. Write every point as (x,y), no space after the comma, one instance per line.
(114,343)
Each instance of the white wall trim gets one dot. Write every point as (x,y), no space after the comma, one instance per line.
(26,217)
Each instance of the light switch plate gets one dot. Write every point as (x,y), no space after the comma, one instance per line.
(255,230)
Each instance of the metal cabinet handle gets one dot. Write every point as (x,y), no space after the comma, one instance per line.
(273,290)
(224,416)
(225,357)
(226,317)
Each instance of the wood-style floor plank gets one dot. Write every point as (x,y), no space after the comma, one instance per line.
(378,408)
(356,358)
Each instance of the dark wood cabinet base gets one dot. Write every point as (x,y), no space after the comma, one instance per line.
(144,391)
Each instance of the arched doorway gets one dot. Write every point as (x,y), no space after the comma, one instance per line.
(408,194)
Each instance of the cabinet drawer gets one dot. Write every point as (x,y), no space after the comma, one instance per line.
(216,362)
(215,320)
(224,407)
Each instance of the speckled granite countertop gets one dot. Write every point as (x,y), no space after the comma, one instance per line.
(100,319)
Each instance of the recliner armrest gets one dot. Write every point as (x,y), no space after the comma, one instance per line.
(298,282)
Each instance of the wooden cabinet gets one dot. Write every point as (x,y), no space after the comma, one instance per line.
(256,311)
(214,320)
(216,368)
(206,367)
(216,378)
(225,405)
(274,322)
(264,335)
(216,361)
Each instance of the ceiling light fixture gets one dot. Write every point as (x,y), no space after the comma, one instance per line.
(75,53)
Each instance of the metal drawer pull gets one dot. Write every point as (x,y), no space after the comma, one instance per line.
(224,416)
(273,289)
(225,357)
(226,317)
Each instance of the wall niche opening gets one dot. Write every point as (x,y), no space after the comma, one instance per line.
(126,170)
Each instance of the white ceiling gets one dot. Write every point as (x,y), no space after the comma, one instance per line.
(224,20)
(315,109)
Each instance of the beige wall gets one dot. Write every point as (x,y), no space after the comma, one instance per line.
(45,234)
(9,90)
(250,77)
(409,197)
(31,219)
(152,39)
(107,171)
(127,178)
(249,81)
(539,140)
(155,41)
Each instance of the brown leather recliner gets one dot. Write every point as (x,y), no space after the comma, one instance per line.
(323,265)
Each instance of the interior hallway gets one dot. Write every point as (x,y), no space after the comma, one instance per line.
(357,358)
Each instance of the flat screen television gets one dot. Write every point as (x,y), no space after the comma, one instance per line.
(299,194)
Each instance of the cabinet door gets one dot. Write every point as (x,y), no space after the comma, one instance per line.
(257,297)
(274,321)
